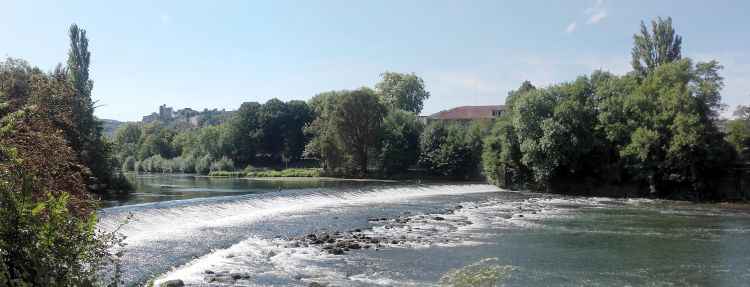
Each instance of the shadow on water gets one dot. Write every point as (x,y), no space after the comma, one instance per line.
(158,187)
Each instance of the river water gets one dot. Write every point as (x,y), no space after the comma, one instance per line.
(249,233)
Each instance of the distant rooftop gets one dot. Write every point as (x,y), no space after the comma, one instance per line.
(469,113)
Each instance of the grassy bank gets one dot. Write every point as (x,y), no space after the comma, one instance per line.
(291,172)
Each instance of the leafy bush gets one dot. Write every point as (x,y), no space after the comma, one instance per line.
(43,244)
(223,173)
(187,164)
(251,168)
(203,164)
(291,172)
(222,164)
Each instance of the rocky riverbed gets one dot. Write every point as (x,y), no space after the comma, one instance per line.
(384,232)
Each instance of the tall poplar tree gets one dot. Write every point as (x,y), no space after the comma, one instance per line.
(654,49)
(86,139)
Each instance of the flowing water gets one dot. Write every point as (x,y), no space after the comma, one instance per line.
(249,233)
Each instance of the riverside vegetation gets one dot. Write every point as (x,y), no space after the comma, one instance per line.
(654,131)
(52,159)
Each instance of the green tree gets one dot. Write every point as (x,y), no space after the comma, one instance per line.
(512,95)
(294,137)
(244,132)
(272,118)
(127,140)
(450,150)
(281,128)
(738,133)
(400,147)
(210,141)
(402,91)
(156,139)
(501,157)
(653,49)
(673,148)
(352,143)
(86,138)
(322,107)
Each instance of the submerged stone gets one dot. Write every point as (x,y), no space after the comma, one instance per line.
(173,283)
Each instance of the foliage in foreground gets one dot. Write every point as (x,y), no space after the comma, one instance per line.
(47,219)
(63,97)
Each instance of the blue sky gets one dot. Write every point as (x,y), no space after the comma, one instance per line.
(218,54)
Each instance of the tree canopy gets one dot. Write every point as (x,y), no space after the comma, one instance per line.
(402,91)
(655,129)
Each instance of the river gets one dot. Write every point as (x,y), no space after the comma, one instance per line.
(247,232)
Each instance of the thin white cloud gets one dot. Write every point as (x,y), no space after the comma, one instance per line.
(601,14)
(164,19)
(596,13)
(571,27)
(593,14)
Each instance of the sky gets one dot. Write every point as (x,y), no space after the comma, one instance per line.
(219,54)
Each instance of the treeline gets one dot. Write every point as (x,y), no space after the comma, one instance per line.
(273,130)
(351,132)
(52,157)
(654,129)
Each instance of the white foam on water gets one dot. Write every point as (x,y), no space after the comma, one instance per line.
(260,258)
(180,220)
(255,258)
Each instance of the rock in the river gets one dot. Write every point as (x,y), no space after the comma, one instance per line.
(238,276)
(438,218)
(336,251)
(209,272)
(374,240)
(173,283)
(314,284)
